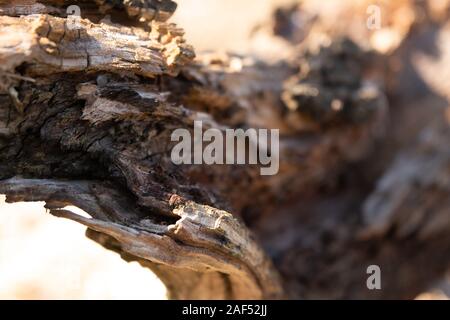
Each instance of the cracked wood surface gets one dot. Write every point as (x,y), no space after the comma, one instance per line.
(50,46)
(197,238)
(136,10)
(355,188)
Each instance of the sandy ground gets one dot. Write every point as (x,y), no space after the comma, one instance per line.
(43,257)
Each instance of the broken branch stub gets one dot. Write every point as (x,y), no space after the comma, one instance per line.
(197,238)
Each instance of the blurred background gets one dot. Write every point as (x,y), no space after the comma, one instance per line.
(223,24)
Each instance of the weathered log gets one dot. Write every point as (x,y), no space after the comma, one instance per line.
(136,10)
(86,117)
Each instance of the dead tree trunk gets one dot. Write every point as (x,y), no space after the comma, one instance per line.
(88,106)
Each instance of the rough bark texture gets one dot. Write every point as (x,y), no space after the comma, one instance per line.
(86,116)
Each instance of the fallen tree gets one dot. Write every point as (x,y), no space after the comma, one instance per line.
(87,113)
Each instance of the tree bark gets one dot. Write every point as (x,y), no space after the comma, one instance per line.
(87,113)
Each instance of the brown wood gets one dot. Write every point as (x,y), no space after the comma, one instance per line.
(86,117)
